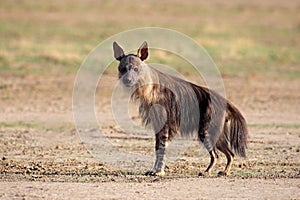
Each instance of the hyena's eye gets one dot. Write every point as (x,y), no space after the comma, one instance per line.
(135,69)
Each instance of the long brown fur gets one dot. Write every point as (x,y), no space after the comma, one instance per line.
(187,109)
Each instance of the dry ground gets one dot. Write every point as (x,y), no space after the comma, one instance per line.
(43,156)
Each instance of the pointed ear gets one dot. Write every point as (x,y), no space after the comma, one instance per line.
(143,51)
(118,51)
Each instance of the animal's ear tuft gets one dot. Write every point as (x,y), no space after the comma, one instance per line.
(118,51)
(143,51)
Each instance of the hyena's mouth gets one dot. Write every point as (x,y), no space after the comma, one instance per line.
(129,84)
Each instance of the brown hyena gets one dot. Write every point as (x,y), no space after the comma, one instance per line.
(184,108)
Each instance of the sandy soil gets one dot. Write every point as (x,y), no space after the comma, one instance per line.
(191,188)
(42,155)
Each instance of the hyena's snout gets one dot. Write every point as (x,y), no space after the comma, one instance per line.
(128,80)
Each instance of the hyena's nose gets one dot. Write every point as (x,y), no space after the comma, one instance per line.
(126,81)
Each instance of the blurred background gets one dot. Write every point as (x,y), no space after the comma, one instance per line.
(255,45)
(244,38)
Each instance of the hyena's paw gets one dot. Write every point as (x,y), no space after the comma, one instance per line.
(204,174)
(222,173)
(154,173)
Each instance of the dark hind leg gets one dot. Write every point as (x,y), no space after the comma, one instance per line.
(224,146)
(209,141)
(213,158)
(229,155)
(209,136)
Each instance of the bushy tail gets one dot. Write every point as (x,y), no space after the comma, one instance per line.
(238,131)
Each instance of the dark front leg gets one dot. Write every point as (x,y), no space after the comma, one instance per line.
(160,150)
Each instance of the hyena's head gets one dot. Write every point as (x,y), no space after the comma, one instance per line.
(131,67)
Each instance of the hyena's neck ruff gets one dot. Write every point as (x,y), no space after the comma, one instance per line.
(147,88)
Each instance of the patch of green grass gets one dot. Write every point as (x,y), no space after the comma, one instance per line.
(37,125)
(292,125)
